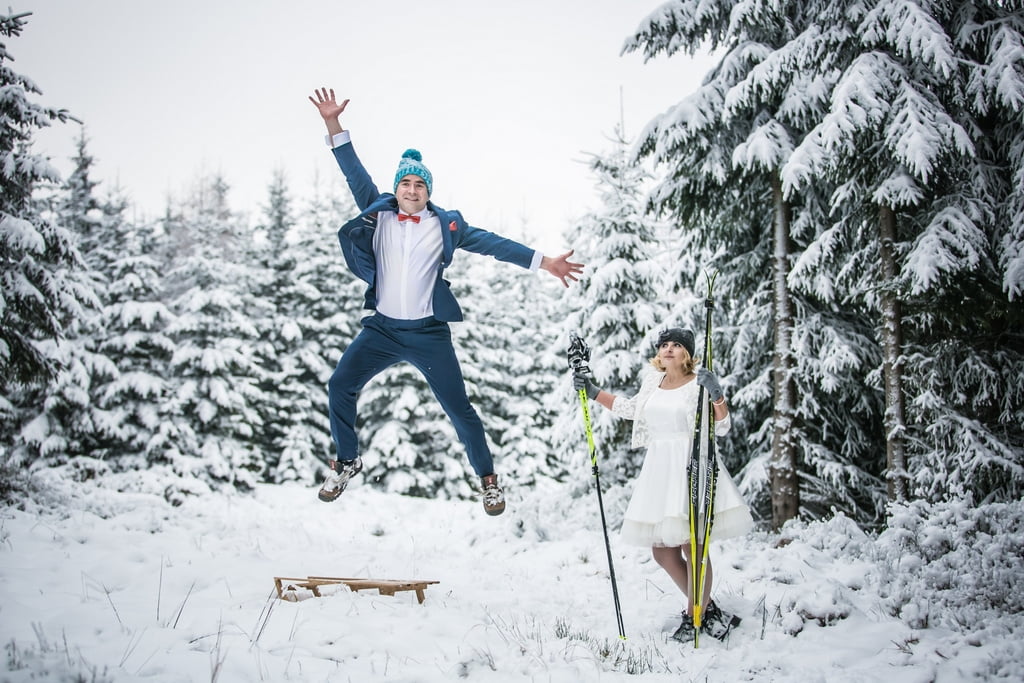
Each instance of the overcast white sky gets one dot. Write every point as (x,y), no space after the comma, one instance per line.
(504,100)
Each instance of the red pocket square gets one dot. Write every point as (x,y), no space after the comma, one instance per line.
(452,227)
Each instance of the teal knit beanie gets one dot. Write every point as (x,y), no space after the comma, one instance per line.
(412,164)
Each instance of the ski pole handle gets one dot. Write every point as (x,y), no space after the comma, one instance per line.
(579,355)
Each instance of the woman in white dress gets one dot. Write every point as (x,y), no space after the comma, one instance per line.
(663,414)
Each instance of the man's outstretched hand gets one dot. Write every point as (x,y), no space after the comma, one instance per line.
(562,268)
(329,108)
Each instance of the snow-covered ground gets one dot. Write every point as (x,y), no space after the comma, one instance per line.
(124,587)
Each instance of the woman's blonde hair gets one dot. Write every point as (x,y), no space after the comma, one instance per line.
(688,365)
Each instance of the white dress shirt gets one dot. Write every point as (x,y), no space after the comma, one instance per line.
(408,256)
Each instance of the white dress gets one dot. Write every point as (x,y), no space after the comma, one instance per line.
(658,512)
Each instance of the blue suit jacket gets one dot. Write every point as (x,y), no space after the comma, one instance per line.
(356,237)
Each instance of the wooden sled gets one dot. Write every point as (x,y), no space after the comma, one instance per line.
(286,586)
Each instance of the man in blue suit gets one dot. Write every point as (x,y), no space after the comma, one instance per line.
(400,244)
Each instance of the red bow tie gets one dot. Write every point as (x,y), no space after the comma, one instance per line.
(405,217)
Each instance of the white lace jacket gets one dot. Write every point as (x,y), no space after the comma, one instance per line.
(632,408)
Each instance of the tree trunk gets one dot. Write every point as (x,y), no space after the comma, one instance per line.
(892,360)
(785,486)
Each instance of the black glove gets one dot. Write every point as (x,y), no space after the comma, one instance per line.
(707,379)
(583,382)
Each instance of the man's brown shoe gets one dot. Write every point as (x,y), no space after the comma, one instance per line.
(494,497)
(336,481)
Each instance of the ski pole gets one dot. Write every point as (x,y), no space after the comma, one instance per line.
(579,355)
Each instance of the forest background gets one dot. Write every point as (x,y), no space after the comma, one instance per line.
(853,172)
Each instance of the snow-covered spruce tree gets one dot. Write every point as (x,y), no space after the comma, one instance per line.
(408,444)
(791,359)
(525,446)
(135,319)
(83,213)
(502,342)
(289,402)
(306,322)
(922,121)
(72,417)
(327,307)
(964,368)
(41,282)
(618,306)
(123,340)
(211,418)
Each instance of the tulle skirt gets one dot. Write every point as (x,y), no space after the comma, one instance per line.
(658,513)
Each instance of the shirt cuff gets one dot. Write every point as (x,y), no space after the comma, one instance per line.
(342,138)
(535,263)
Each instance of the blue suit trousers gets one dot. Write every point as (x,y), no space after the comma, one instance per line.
(427,345)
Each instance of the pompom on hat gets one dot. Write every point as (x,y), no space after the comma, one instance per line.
(412,164)
(676,334)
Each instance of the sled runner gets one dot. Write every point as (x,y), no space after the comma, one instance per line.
(287,586)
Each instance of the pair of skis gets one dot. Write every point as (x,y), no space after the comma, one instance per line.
(701,516)
(702,511)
